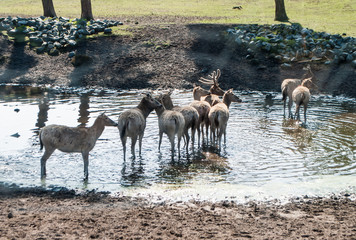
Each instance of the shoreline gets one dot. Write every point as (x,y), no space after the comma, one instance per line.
(64,215)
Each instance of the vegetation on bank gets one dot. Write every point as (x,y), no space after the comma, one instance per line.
(333,16)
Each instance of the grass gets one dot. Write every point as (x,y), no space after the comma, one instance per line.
(333,16)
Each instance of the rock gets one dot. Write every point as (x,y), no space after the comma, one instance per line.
(286,65)
(107,30)
(71,54)
(40,50)
(36,41)
(53,52)
(353,63)
(72,43)
(349,58)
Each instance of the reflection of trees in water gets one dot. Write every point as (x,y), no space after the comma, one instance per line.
(42,116)
(83,109)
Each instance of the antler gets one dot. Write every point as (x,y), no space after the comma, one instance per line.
(214,78)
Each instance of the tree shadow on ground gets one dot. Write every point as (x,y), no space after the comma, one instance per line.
(15,65)
(113,66)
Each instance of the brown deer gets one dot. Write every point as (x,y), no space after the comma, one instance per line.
(132,122)
(215,90)
(190,114)
(288,85)
(171,123)
(219,115)
(301,96)
(72,139)
(203,109)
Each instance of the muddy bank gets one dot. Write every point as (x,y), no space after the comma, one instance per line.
(163,56)
(46,215)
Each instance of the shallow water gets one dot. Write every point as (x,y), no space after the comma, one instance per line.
(265,156)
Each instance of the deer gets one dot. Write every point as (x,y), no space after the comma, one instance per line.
(171,123)
(132,122)
(203,109)
(301,96)
(190,114)
(215,90)
(72,139)
(288,85)
(219,115)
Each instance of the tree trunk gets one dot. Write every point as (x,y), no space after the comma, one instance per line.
(48,8)
(86,10)
(281,14)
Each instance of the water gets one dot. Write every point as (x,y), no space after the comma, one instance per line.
(265,156)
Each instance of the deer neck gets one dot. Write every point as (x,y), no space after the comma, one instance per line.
(144,109)
(168,104)
(305,81)
(227,101)
(197,95)
(97,128)
(160,110)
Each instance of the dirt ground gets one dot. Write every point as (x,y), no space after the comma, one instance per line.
(64,215)
(165,56)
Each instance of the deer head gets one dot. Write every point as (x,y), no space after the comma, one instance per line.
(213,82)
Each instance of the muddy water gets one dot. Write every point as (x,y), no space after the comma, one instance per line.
(265,156)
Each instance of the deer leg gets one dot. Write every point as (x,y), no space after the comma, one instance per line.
(290,103)
(48,152)
(160,140)
(297,112)
(86,164)
(224,134)
(193,135)
(187,137)
(140,137)
(198,132)
(207,125)
(305,113)
(123,141)
(133,144)
(171,139)
(179,139)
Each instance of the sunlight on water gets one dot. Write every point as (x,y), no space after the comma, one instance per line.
(265,156)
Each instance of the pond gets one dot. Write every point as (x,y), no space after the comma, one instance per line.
(265,156)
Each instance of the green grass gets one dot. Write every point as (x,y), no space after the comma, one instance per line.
(333,16)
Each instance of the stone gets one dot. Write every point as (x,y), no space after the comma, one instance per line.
(353,63)
(349,58)
(71,54)
(286,65)
(40,50)
(107,30)
(53,52)
(72,43)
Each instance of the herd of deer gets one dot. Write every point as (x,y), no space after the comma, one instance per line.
(207,111)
